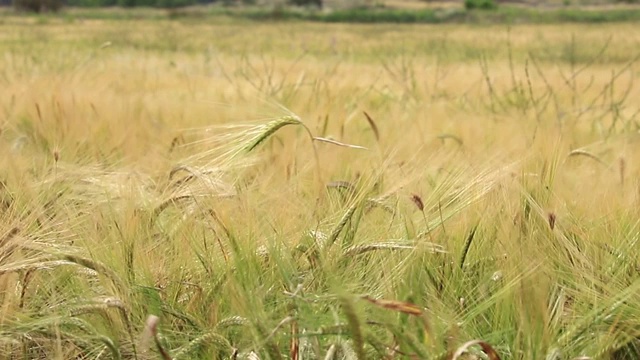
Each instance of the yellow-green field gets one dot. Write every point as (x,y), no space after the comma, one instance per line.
(311,191)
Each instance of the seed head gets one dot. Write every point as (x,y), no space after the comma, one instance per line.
(552,220)
(418,201)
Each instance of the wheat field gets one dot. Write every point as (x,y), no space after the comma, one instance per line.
(224,189)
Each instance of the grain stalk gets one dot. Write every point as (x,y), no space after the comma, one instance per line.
(340,226)
(211,337)
(355,327)
(467,245)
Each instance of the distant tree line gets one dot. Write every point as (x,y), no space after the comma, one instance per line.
(133,3)
(147,3)
(54,5)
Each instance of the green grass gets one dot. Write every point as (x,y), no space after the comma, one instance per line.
(194,190)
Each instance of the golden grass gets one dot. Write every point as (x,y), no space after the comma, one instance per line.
(156,154)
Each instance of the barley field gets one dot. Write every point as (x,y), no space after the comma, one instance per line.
(226,189)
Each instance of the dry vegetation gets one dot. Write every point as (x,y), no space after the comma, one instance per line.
(214,176)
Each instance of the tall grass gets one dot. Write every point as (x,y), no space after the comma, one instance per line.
(194,191)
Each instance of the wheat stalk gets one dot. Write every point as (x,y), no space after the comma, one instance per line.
(343,222)
(354,327)
(580,152)
(98,267)
(210,337)
(265,131)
